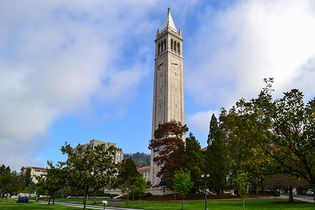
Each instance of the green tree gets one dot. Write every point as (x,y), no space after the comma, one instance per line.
(292,136)
(10,181)
(242,182)
(138,187)
(273,136)
(53,181)
(28,182)
(89,167)
(169,147)
(182,184)
(126,177)
(216,157)
(194,161)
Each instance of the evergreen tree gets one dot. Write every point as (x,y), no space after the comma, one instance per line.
(194,161)
(216,157)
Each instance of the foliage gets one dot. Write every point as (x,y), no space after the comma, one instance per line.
(216,156)
(28,178)
(10,181)
(169,148)
(53,181)
(89,167)
(138,187)
(242,182)
(127,176)
(182,183)
(194,161)
(267,136)
(139,158)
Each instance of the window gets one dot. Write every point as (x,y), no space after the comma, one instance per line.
(171,44)
(164,44)
(175,45)
(178,47)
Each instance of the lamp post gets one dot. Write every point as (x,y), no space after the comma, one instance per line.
(105,202)
(205,176)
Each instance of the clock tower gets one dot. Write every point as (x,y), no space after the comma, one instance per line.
(168,96)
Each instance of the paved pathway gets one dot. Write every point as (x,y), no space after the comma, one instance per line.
(308,199)
(91,206)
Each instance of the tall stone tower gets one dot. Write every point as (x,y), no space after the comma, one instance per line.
(168,99)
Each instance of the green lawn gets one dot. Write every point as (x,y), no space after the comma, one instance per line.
(16,206)
(254,204)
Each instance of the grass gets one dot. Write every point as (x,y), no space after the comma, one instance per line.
(17,206)
(253,204)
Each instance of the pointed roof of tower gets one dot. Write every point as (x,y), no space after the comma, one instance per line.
(169,23)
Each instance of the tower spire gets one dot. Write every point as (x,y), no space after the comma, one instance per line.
(169,23)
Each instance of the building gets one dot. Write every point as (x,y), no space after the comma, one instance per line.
(145,171)
(119,155)
(168,96)
(35,172)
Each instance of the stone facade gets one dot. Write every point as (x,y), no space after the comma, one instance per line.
(35,172)
(119,155)
(168,97)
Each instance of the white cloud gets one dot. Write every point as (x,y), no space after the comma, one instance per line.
(235,49)
(55,56)
(200,121)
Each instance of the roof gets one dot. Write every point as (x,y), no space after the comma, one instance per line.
(204,149)
(38,168)
(144,168)
(169,23)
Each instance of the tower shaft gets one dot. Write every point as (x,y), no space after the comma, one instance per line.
(168,96)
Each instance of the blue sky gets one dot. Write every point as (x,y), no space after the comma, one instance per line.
(78,70)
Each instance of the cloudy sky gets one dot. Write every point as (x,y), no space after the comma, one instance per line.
(77,70)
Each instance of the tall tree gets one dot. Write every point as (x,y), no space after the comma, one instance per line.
(169,146)
(127,176)
(89,167)
(28,182)
(216,157)
(194,161)
(277,135)
(293,138)
(10,181)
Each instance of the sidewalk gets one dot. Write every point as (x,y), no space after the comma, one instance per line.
(308,199)
(90,206)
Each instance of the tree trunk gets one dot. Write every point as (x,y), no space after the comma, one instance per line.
(182,203)
(127,201)
(291,194)
(85,199)
(49,200)
(94,193)
(313,187)
(53,200)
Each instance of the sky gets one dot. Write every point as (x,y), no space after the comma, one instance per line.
(76,70)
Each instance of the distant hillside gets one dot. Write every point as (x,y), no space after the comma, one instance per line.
(139,158)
